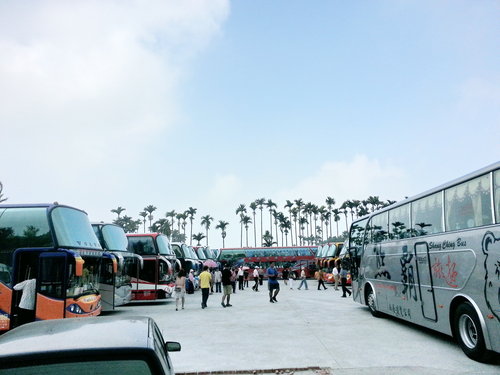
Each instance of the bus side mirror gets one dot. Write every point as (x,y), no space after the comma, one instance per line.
(79,266)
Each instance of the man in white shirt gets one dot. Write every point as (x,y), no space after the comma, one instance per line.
(256,279)
(27,303)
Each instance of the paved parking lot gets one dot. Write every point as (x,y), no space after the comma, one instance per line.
(311,331)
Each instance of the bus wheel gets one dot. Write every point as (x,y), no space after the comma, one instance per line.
(468,332)
(370,301)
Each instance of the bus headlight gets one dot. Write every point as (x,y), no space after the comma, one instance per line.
(75,309)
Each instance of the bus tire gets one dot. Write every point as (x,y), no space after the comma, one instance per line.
(371,302)
(468,332)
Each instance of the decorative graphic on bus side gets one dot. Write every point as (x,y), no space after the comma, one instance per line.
(491,249)
(407,275)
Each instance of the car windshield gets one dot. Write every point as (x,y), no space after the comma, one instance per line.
(114,238)
(73,229)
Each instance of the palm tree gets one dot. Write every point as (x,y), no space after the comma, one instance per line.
(294,212)
(278,216)
(241,210)
(302,222)
(128,225)
(374,202)
(198,237)
(344,209)
(336,218)
(161,226)
(308,212)
(355,208)
(284,225)
(191,212)
(270,204)
(268,239)
(299,203)
(222,226)
(321,212)
(327,219)
(330,202)
(253,206)
(179,221)
(289,205)
(150,209)
(183,217)
(206,221)
(171,214)
(314,211)
(1,194)
(117,210)
(260,203)
(143,214)
(245,220)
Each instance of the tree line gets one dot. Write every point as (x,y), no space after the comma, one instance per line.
(299,223)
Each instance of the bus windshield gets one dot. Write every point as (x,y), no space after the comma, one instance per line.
(115,238)
(89,281)
(22,227)
(164,246)
(72,229)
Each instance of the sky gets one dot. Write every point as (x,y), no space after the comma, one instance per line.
(213,103)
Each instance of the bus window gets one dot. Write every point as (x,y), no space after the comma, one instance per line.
(399,219)
(427,215)
(468,205)
(379,229)
(496,179)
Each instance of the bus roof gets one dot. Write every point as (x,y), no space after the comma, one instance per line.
(46,205)
(446,185)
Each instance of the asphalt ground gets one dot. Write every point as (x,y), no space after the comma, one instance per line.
(306,332)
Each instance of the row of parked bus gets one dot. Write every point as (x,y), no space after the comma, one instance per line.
(55,264)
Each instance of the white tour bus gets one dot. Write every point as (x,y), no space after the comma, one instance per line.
(434,260)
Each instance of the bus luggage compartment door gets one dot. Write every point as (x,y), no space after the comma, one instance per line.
(425,285)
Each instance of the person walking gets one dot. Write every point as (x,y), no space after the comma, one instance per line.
(303,280)
(241,276)
(205,278)
(272,283)
(321,282)
(255,287)
(234,276)
(227,286)
(336,275)
(292,276)
(261,275)
(343,280)
(27,303)
(190,282)
(285,275)
(218,280)
(180,289)
(212,282)
(245,277)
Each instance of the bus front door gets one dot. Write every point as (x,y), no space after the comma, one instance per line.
(425,284)
(51,286)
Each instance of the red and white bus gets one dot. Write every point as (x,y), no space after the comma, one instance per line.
(293,257)
(160,265)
